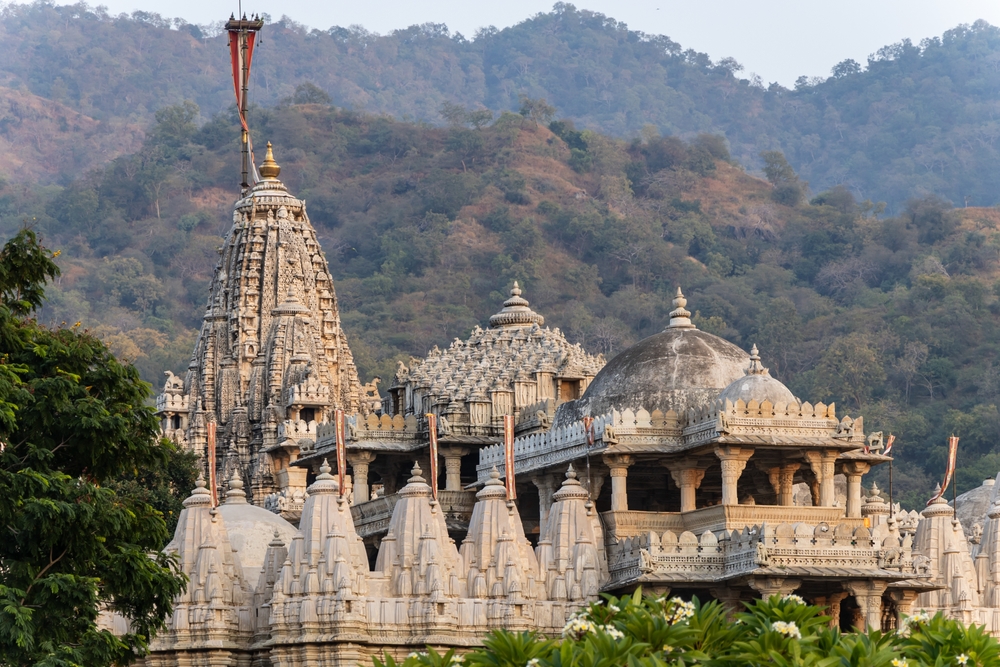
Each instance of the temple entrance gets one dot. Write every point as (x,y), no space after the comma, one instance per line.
(850,614)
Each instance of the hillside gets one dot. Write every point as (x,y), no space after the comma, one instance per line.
(425,228)
(913,120)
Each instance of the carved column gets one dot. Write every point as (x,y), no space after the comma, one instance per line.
(833,608)
(618,463)
(903,601)
(854,471)
(768,586)
(546,487)
(868,595)
(359,471)
(782,478)
(822,464)
(733,460)
(688,478)
(453,467)
(730,599)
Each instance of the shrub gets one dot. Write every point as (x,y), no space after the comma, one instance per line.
(655,631)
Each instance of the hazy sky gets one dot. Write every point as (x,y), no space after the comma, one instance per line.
(777,39)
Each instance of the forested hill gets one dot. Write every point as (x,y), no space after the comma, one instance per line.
(425,228)
(913,120)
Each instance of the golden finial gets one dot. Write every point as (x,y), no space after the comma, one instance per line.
(270,168)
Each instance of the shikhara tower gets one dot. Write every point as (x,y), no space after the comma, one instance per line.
(272,360)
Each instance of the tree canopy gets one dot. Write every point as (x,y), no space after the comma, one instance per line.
(73,420)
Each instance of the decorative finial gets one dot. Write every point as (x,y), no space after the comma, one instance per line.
(324,471)
(515,312)
(679,317)
(570,473)
(236,495)
(755,366)
(269,168)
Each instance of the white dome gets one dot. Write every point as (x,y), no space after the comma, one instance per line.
(251,529)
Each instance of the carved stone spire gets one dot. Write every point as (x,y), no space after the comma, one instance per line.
(679,317)
(272,360)
(515,312)
(755,366)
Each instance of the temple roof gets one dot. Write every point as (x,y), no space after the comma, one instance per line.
(514,347)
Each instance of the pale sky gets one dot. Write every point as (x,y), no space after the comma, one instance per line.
(777,39)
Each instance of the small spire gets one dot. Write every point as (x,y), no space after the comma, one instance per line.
(516,312)
(324,471)
(679,317)
(755,366)
(269,168)
(236,495)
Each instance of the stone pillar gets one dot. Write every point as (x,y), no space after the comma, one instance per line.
(688,478)
(768,586)
(822,464)
(868,595)
(783,479)
(733,461)
(359,468)
(618,463)
(453,467)
(546,487)
(730,599)
(903,600)
(833,608)
(854,471)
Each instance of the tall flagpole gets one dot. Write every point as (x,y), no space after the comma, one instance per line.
(242,35)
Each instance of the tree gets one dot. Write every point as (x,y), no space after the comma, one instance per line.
(310,93)
(850,368)
(73,420)
(538,110)
(788,189)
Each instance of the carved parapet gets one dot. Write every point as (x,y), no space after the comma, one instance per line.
(310,392)
(173,403)
(791,549)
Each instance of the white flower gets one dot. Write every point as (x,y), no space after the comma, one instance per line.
(457,659)
(614,608)
(962,659)
(787,629)
(899,662)
(679,610)
(920,617)
(577,628)
(533,663)
(613,632)
(793,598)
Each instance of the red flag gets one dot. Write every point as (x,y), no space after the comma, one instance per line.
(952,458)
(341,448)
(433,433)
(211,464)
(888,445)
(588,426)
(241,69)
(508,453)
(236,56)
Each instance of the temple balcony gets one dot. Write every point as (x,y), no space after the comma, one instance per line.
(727,543)
(372,518)
(631,523)
(172,403)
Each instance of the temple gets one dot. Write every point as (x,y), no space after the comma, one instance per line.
(680,465)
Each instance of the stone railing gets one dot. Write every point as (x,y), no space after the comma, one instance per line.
(538,450)
(296,429)
(791,549)
(631,523)
(172,403)
(372,517)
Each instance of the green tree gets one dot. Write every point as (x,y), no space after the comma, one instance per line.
(537,110)
(850,368)
(72,421)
